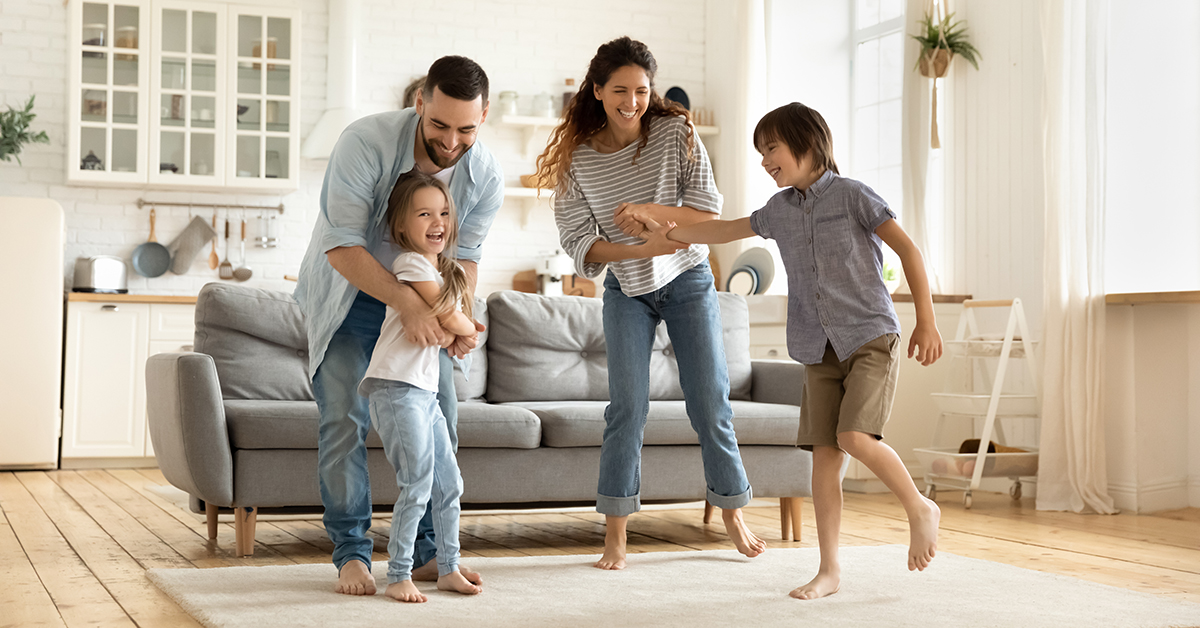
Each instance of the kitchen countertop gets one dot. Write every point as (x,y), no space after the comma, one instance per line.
(130,298)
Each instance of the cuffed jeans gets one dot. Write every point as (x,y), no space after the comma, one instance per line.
(417,443)
(345,423)
(689,306)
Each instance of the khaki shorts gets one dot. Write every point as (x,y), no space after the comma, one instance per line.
(851,396)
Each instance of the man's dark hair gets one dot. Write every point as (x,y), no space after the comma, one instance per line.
(458,77)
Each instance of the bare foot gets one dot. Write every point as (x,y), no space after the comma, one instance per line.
(923,533)
(614,552)
(404,591)
(743,538)
(458,582)
(820,586)
(429,573)
(355,578)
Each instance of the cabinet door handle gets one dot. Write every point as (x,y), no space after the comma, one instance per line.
(109,308)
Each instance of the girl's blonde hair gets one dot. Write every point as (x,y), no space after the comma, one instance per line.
(400,205)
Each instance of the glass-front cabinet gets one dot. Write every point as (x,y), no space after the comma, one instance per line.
(110,76)
(185,94)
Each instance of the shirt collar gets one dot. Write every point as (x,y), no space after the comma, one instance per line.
(820,185)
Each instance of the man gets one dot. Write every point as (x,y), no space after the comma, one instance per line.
(345,284)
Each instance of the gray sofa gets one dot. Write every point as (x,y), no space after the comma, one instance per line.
(234,424)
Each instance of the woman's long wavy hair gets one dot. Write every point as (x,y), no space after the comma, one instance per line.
(585,116)
(400,205)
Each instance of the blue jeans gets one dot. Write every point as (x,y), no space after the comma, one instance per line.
(689,306)
(345,423)
(417,443)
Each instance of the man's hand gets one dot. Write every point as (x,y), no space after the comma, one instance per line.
(423,328)
(929,341)
(631,218)
(462,345)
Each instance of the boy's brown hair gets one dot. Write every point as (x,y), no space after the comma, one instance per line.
(802,129)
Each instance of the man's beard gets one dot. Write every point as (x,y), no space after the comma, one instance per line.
(437,159)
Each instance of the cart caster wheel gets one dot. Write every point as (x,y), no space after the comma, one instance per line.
(931,492)
(1015,491)
(967,499)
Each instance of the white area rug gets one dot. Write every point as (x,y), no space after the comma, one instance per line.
(711,588)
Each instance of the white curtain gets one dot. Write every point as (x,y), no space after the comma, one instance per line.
(914,139)
(1071,472)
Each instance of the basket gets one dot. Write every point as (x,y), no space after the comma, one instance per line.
(946,462)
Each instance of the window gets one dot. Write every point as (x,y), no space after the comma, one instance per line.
(877,87)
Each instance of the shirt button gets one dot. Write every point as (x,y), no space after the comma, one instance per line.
(814,269)
(583,354)
(666,352)
(300,353)
(810,240)
(818,295)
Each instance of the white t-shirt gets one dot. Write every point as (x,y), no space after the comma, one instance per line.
(395,358)
(387,250)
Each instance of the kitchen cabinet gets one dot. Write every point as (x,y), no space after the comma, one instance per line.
(104,392)
(184,95)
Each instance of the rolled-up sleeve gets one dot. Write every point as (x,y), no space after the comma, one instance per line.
(478,221)
(577,227)
(870,209)
(761,224)
(350,179)
(699,188)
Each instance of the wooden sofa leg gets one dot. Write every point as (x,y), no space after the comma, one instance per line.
(708,512)
(244,519)
(210,511)
(790,517)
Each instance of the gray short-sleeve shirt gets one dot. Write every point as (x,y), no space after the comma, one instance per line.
(834,263)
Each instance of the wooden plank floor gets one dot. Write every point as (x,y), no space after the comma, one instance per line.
(74,545)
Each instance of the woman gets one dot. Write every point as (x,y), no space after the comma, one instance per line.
(621,152)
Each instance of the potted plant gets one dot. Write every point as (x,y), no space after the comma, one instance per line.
(940,41)
(14,131)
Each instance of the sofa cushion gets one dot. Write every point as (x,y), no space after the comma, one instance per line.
(259,424)
(552,349)
(257,340)
(581,423)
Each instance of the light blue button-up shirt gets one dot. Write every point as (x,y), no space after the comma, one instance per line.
(367,160)
(834,263)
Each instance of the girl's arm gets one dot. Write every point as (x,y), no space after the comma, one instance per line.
(925,335)
(454,321)
(708,232)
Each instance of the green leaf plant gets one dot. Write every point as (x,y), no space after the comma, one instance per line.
(946,34)
(14,131)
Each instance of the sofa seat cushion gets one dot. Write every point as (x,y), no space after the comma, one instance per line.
(268,424)
(581,423)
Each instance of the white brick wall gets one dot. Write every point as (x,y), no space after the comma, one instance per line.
(527,46)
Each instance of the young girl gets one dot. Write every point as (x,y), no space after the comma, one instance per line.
(841,322)
(401,385)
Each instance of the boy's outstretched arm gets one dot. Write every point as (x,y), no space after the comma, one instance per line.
(925,335)
(707,232)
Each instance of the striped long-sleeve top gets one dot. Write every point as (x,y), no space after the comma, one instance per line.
(586,201)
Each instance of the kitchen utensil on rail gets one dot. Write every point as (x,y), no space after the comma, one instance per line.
(213,259)
(225,270)
(151,259)
(188,244)
(243,272)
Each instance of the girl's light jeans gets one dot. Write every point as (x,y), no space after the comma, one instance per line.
(689,306)
(417,443)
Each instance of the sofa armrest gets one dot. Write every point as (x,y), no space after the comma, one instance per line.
(187,425)
(777,381)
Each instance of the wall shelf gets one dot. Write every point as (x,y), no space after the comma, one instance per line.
(533,125)
(529,199)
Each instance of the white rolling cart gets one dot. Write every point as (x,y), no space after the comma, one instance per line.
(987,405)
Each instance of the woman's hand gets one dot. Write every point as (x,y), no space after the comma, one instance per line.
(632,218)
(656,240)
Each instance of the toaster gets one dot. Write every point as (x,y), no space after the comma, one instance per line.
(100,273)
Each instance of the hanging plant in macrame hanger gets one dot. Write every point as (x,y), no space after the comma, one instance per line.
(941,39)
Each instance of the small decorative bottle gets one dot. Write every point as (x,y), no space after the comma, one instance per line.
(568,94)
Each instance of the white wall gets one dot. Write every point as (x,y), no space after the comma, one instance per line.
(993,150)
(1153,194)
(525,45)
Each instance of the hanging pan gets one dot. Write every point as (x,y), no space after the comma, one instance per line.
(151,259)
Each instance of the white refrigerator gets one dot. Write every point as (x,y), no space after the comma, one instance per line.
(32,233)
